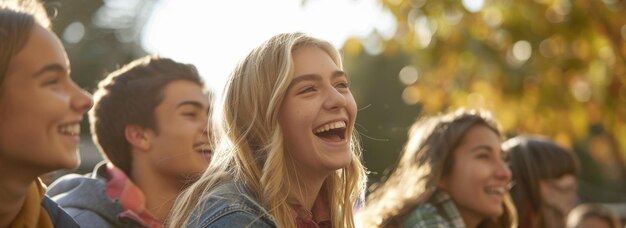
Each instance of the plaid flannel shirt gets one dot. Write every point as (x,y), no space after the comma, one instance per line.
(439,212)
(121,189)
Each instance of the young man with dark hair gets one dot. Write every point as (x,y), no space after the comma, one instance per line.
(149,121)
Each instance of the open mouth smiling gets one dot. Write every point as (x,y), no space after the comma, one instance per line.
(334,131)
(72,129)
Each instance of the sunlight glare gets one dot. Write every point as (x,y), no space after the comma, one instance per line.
(216,35)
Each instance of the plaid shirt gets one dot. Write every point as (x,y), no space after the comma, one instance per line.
(123,190)
(319,217)
(439,212)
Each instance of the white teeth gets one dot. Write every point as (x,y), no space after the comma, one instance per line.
(70,129)
(330,126)
(203,148)
(495,190)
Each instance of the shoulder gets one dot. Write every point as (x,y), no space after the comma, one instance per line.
(231,205)
(439,212)
(84,199)
(77,191)
(68,183)
(58,216)
(237,219)
(425,215)
(73,183)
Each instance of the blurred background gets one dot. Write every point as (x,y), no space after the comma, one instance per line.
(551,67)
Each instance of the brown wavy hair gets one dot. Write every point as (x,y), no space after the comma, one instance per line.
(427,157)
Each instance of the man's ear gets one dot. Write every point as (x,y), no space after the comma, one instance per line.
(137,137)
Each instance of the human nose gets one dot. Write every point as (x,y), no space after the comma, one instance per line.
(204,126)
(334,99)
(81,99)
(503,172)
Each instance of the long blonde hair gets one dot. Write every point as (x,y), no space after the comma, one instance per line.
(426,159)
(250,146)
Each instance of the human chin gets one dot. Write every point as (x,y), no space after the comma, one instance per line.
(68,146)
(492,210)
(342,161)
(333,156)
(495,200)
(71,158)
(64,158)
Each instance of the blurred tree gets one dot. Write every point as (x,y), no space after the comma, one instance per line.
(552,67)
(99,35)
(383,119)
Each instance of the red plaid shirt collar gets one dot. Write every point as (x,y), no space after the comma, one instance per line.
(124,191)
(318,217)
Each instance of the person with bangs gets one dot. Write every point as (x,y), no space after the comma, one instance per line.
(451,174)
(41,109)
(545,180)
(287,156)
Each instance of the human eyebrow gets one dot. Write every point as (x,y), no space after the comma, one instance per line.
(338,74)
(316,77)
(305,77)
(55,68)
(481,147)
(195,104)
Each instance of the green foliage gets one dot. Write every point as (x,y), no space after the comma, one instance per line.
(551,67)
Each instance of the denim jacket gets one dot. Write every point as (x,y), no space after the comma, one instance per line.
(230,205)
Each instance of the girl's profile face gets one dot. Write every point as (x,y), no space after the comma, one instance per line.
(479,178)
(318,113)
(41,107)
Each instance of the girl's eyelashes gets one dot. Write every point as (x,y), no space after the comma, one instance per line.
(307,90)
(190,114)
(343,85)
(54,79)
(483,156)
(51,81)
(313,88)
